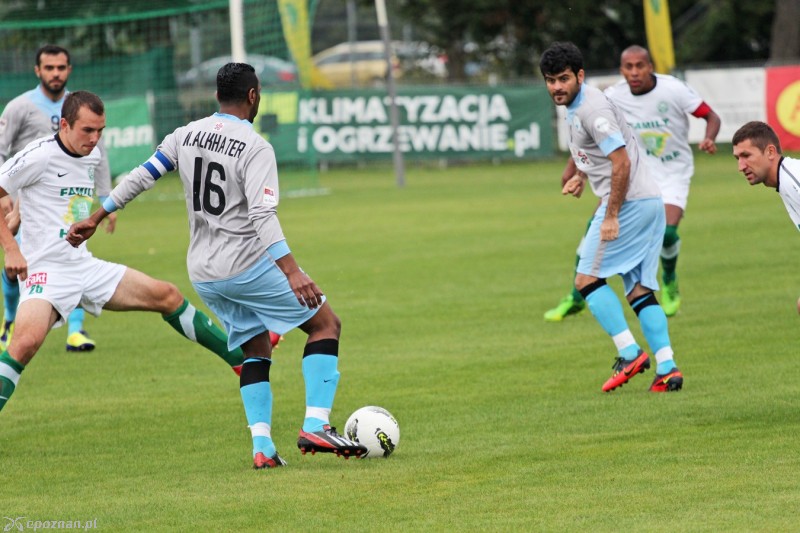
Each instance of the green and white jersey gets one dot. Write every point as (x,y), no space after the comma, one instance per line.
(56,189)
(595,128)
(661,119)
(32,115)
(789,187)
(230,181)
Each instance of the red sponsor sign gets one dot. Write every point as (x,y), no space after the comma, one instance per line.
(783,104)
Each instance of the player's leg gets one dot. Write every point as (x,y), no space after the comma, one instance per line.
(573,303)
(655,329)
(256,394)
(136,291)
(671,299)
(35,317)
(321,376)
(607,310)
(10,303)
(77,338)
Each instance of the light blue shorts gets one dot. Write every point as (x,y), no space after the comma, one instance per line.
(258,299)
(634,254)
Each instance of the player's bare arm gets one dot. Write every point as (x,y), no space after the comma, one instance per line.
(620,177)
(83,230)
(713,124)
(15,264)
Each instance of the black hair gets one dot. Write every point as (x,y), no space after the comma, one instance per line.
(234,81)
(559,57)
(51,50)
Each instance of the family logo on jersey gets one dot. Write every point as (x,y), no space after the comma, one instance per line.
(655,142)
(91,174)
(576,123)
(218,126)
(269,197)
(79,209)
(662,107)
(38,278)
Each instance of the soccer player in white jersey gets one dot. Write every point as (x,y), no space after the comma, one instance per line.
(657,107)
(27,117)
(239,261)
(758,150)
(54,179)
(624,237)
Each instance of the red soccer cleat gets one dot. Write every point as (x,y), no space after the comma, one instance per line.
(625,370)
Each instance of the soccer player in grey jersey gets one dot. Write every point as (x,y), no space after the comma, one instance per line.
(625,235)
(27,117)
(757,148)
(239,261)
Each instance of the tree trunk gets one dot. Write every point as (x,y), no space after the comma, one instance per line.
(785,43)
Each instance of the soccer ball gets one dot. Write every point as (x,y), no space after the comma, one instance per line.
(375,428)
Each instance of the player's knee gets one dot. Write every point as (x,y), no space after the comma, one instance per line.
(325,323)
(24,346)
(169,296)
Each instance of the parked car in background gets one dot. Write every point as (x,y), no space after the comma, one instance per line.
(362,63)
(272,71)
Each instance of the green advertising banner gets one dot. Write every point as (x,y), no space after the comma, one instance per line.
(435,122)
(129,136)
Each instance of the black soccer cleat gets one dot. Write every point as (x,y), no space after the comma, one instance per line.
(328,441)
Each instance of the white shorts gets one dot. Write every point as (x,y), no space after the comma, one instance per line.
(88,284)
(674,189)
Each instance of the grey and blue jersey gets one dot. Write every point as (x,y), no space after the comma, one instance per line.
(230,181)
(595,129)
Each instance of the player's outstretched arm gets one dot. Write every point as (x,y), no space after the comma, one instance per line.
(81,231)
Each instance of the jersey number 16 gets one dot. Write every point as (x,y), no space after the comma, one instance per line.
(209,188)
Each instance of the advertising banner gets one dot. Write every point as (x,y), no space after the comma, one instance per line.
(783,104)
(435,122)
(129,135)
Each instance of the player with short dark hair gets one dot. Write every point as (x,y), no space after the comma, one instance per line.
(625,234)
(239,261)
(657,107)
(54,179)
(757,149)
(27,117)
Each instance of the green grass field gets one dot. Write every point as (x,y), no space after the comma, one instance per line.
(441,288)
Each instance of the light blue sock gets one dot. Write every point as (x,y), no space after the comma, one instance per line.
(257,400)
(607,310)
(321,377)
(75,320)
(655,330)
(10,298)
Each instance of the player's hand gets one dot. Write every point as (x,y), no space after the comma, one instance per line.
(708,146)
(112,222)
(306,291)
(574,186)
(609,229)
(16,265)
(81,231)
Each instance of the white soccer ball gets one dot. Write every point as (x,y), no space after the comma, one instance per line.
(375,428)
